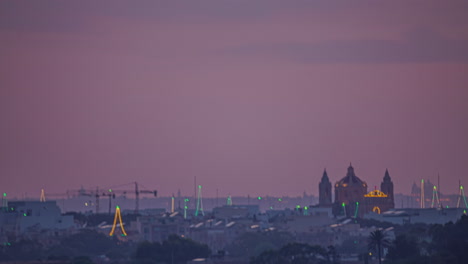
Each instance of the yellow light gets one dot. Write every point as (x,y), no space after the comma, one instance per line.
(376,193)
(119,216)
(376,209)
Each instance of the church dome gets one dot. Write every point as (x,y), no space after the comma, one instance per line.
(351,179)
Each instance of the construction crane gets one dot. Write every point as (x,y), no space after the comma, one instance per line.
(83,192)
(136,191)
(111,193)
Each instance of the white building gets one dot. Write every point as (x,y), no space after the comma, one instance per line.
(417,215)
(22,216)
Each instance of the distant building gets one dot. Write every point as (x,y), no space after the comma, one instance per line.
(236,211)
(418,215)
(353,200)
(21,217)
(157,228)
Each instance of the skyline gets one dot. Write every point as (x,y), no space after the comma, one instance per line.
(251,98)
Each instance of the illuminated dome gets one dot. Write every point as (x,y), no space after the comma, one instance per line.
(351,179)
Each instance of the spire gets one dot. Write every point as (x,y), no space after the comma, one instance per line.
(387,176)
(350,170)
(325,176)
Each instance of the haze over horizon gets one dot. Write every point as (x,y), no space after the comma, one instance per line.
(250,97)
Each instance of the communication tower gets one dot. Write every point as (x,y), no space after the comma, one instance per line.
(119,216)
(199,202)
(185,207)
(4,202)
(460,195)
(42,198)
(435,196)
(422,193)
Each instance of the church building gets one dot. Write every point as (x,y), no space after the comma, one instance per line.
(352,198)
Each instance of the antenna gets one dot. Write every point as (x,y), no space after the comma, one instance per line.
(97,199)
(137,198)
(435,195)
(172,203)
(460,195)
(4,201)
(185,207)
(42,198)
(199,202)
(422,193)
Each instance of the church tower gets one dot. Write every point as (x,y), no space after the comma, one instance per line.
(325,197)
(387,187)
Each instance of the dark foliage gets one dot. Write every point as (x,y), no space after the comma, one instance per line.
(443,244)
(378,240)
(175,249)
(297,253)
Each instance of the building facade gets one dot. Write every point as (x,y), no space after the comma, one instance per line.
(353,200)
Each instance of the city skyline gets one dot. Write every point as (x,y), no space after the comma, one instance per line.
(250,98)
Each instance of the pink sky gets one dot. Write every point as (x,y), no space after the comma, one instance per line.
(251,97)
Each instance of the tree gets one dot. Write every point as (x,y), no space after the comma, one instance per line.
(297,253)
(377,240)
(173,250)
(403,247)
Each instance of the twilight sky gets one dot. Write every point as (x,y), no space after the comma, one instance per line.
(251,97)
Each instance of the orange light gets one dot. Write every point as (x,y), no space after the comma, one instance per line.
(119,216)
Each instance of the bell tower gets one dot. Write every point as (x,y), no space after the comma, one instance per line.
(387,187)
(325,196)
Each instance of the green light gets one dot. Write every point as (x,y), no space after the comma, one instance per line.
(306,208)
(357,203)
(117,207)
(110,190)
(343,204)
(279,199)
(199,186)
(24,214)
(464,211)
(4,194)
(259,198)
(422,180)
(461,187)
(298,206)
(447,206)
(271,207)
(186,200)
(186,207)
(435,187)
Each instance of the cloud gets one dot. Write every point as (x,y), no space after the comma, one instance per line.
(421,45)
